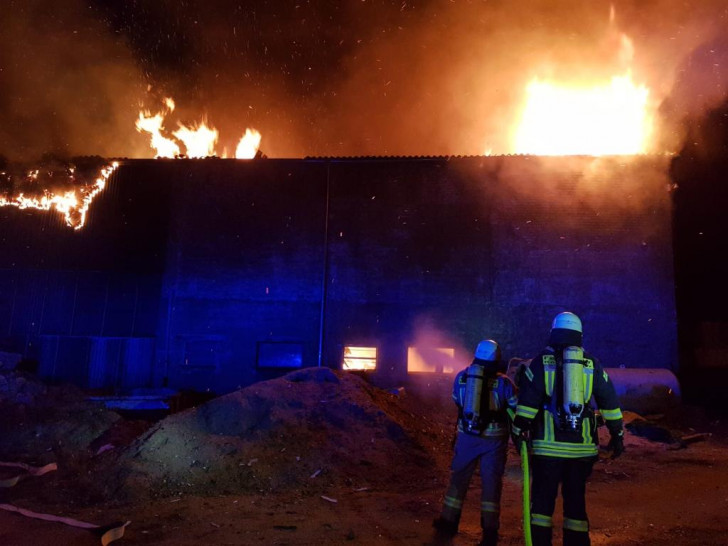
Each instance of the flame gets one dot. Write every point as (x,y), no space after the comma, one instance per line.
(585,120)
(72,204)
(248,145)
(199,139)
(610,116)
(163,146)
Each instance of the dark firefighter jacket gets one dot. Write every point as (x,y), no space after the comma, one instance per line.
(540,397)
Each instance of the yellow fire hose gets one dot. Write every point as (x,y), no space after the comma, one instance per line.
(526,495)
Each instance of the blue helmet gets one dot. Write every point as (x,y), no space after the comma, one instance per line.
(488,350)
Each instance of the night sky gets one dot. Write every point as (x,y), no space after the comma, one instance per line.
(360,77)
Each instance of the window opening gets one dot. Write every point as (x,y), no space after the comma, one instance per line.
(360,358)
(431,359)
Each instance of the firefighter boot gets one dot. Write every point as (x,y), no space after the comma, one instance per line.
(541,536)
(490,537)
(576,538)
(445,530)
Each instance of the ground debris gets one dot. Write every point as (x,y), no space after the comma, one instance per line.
(684,441)
(697,437)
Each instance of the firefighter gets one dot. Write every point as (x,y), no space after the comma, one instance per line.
(555,415)
(483,394)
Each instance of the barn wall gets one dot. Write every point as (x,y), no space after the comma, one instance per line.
(79,305)
(594,237)
(449,252)
(213,274)
(244,272)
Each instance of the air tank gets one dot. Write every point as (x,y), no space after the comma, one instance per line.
(573,363)
(473,394)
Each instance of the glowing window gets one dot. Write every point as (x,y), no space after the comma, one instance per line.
(360,358)
(431,359)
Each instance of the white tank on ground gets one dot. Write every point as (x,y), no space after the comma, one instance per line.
(645,390)
(641,390)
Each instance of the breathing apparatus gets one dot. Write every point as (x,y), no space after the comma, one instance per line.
(472,423)
(487,352)
(573,378)
(566,332)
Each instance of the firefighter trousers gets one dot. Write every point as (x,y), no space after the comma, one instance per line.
(470,451)
(548,473)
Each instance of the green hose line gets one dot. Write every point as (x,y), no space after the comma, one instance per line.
(526,495)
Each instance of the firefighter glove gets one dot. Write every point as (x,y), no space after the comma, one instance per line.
(520,432)
(616,444)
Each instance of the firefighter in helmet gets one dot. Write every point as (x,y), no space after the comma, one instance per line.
(555,414)
(483,395)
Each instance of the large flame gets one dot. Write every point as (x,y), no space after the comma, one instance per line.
(607,119)
(72,204)
(610,116)
(197,139)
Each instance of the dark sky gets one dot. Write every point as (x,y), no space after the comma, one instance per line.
(358,77)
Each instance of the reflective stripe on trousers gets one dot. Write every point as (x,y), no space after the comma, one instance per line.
(548,473)
(471,451)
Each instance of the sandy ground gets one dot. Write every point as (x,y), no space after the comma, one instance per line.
(375,474)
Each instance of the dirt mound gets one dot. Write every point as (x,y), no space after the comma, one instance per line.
(43,423)
(307,430)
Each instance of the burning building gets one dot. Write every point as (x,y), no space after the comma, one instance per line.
(205,272)
(212,274)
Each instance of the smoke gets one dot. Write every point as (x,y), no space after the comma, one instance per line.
(618,191)
(433,350)
(453,81)
(69,86)
(429,77)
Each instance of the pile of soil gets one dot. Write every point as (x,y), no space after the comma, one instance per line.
(308,430)
(47,423)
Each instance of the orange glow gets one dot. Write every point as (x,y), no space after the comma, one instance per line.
(72,204)
(248,145)
(607,119)
(198,139)
(608,114)
(360,358)
(430,359)
(163,146)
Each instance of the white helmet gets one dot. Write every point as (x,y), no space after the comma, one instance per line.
(488,350)
(567,321)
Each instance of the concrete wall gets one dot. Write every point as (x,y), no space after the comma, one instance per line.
(213,274)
